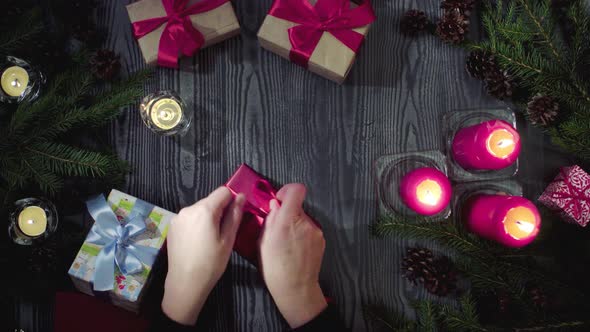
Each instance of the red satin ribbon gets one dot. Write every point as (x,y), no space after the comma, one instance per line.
(179,35)
(333,16)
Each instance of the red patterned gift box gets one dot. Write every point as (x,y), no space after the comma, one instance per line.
(569,193)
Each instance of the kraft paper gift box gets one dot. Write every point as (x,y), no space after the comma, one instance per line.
(126,290)
(331,58)
(216,25)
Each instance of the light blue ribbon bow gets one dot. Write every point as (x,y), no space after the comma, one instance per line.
(116,239)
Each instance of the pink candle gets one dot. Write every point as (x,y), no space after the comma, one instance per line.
(490,145)
(426,190)
(510,220)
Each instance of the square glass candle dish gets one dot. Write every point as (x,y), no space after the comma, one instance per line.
(462,192)
(456,120)
(389,171)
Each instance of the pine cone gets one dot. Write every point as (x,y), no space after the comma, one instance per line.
(480,63)
(413,22)
(499,83)
(452,27)
(416,263)
(538,297)
(105,64)
(438,275)
(542,110)
(443,279)
(464,6)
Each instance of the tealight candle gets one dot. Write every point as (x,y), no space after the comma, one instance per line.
(425,190)
(32,221)
(164,112)
(510,220)
(14,81)
(490,145)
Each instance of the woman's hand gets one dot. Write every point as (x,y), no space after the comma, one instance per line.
(200,242)
(291,252)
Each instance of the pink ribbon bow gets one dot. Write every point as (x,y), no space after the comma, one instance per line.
(333,16)
(179,35)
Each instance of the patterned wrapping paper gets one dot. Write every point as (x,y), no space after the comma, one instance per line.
(569,193)
(216,25)
(128,289)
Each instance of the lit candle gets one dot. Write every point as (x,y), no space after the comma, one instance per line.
(166,113)
(510,220)
(14,81)
(425,190)
(32,221)
(490,145)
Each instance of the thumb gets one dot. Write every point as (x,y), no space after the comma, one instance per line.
(232,219)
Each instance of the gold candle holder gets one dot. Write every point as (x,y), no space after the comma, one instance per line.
(165,113)
(19,81)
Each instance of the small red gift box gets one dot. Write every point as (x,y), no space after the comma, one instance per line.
(569,193)
(259,192)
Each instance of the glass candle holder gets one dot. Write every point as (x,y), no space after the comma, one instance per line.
(391,175)
(32,220)
(165,113)
(459,125)
(19,81)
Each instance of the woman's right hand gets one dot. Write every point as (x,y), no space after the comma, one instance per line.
(291,252)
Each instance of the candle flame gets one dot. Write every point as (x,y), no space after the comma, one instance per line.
(429,192)
(30,221)
(15,83)
(524,226)
(520,222)
(501,143)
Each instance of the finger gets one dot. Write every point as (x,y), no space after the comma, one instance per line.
(274,210)
(232,219)
(292,196)
(217,201)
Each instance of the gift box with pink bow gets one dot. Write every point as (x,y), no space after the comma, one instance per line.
(165,29)
(323,36)
(569,193)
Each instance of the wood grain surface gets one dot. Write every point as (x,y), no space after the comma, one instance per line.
(252,106)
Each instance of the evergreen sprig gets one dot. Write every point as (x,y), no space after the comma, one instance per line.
(527,40)
(37,150)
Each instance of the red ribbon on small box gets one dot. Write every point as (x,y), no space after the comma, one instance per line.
(333,16)
(259,192)
(179,35)
(570,193)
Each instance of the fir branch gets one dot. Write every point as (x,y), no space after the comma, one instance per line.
(427,316)
(393,321)
(463,320)
(28,27)
(66,160)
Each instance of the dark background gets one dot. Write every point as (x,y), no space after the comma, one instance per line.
(252,106)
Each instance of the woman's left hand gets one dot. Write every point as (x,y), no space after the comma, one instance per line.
(200,242)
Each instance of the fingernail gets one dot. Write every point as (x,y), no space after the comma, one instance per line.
(274,204)
(240,200)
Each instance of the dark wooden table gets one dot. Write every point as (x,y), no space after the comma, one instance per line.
(253,106)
